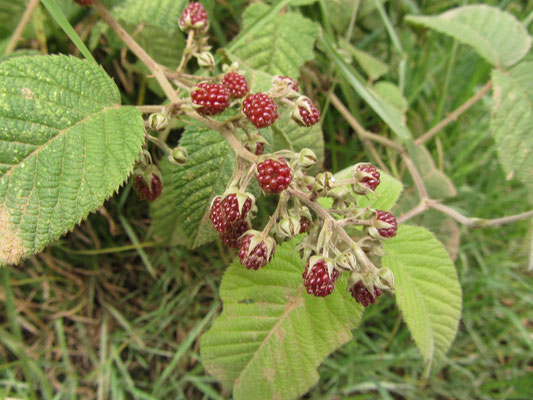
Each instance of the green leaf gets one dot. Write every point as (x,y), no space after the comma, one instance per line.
(372,67)
(10,13)
(163,14)
(427,289)
(386,195)
(391,94)
(438,185)
(272,335)
(181,214)
(382,108)
(512,119)
(281,47)
(67,145)
(496,35)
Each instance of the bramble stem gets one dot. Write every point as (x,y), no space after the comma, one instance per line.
(455,114)
(156,69)
(17,34)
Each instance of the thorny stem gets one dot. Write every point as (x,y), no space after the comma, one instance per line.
(156,69)
(455,114)
(30,8)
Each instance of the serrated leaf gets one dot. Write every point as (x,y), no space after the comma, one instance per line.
(282,45)
(438,185)
(512,119)
(163,14)
(496,35)
(67,145)
(272,335)
(183,208)
(386,195)
(427,289)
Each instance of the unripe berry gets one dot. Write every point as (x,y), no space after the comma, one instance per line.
(255,252)
(148,184)
(304,225)
(194,17)
(387,218)
(232,237)
(361,294)
(260,110)
(273,176)
(317,279)
(236,84)
(305,113)
(366,177)
(225,212)
(210,98)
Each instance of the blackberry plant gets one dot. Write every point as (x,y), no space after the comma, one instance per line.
(68,144)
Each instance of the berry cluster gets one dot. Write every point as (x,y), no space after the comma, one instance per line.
(362,295)
(260,110)
(236,84)
(273,176)
(210,98)
(318,281)
(193,17)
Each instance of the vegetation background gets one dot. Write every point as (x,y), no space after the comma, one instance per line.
(107,312)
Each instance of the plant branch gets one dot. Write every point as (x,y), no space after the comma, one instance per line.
(362,132)
(156,69)
(455,114)
(417,178)
(17,34)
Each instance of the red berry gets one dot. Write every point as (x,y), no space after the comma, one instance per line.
(256,258)
(370,182)
(193,17)
(308,118)
(225,212)
(304,224)
(273,176)
(212,97)
(85,2)
(232,237)
(236,84)
(390,219)
(317,280)
(260,109)
(259,148)
(292,83)
(361,294)
(148,193)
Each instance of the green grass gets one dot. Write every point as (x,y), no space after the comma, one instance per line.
(108,313)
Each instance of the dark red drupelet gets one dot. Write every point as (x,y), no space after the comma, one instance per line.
(304,224)
(361,294)
(85,2)
(212,97)
(148,193)
(232,236)
(236,84)
(257,258)
(224,213)
(390,219)
(198,16)
(273,176)
(260,110)
(370,182)
(309,118)
(317,280)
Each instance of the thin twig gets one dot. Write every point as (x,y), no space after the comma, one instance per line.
(156,69)
(17,34)
(362,132)
(150,109)
(455,114)
(413,212)
(417,178)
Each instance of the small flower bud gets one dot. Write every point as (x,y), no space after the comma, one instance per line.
(206,60)
(288,228)
(158,121)
(384,279)
(307,158)
(284,86)
(323,183)
(179,156)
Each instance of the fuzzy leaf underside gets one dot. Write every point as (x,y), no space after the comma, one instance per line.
(66,145)
(281,46)
(272,335)
(163,14)
(496,35)
(438,184)
(181,215)
(427,289)
(512,119)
